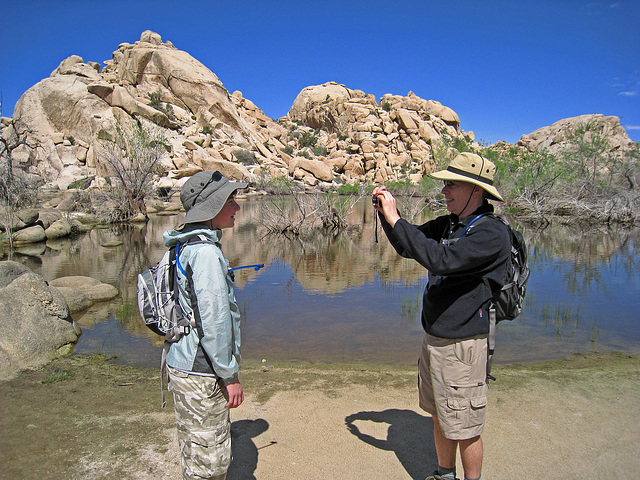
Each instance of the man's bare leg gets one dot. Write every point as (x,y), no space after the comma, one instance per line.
(471,452)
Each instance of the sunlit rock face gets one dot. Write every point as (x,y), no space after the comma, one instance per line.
(35,324)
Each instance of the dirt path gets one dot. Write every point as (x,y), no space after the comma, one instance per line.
(93,420)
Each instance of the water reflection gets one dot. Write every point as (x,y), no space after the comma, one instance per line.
(349,299)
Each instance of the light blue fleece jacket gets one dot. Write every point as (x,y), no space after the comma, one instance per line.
(213,346)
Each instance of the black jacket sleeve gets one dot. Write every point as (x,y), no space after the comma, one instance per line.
(455,302)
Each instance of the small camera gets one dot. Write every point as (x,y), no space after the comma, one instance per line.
(376,201)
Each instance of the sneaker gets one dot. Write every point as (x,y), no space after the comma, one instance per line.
(435,476)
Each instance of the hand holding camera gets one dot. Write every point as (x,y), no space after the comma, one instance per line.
(388,209)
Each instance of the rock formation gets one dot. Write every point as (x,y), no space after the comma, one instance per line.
(555,137)
(332,134)
(35,324)
(353,137)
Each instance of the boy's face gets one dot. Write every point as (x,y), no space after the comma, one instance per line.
(226,217)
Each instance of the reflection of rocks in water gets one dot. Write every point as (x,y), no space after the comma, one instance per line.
(93,315)
(31,249)
(581,243)
(320,263)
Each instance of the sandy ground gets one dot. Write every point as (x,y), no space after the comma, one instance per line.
(559,420)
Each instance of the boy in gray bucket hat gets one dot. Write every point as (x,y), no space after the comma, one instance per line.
(203,365)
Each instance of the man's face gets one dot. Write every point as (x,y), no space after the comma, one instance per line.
(457,195)
(226,217)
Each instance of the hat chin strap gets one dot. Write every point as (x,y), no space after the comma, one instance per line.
(468,200)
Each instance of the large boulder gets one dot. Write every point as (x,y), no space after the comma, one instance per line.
(60,106)
(93,289)
(70,114)
(35,324)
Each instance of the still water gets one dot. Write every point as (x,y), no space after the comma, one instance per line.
(348,299)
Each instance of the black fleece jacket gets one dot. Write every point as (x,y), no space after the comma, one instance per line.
(456,299)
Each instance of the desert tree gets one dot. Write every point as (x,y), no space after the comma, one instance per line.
(16,192)
(132,157)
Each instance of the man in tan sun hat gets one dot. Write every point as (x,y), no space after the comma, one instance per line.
(458,249)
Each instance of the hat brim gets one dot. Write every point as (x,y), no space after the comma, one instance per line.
(456,177)
(211,206)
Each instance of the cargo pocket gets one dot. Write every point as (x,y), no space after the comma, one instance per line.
(477,412)
(467,405)
(209,452)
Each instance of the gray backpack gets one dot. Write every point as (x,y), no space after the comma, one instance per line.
(158,298)
(158,295)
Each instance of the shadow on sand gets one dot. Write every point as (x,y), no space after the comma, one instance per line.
(245,452)
(410,437)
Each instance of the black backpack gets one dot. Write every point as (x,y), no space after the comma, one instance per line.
(508,300)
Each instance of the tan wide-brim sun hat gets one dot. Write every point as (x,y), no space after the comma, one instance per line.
(204,195)
(471,168)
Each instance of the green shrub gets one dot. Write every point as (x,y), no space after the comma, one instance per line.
(320,151)
(386,106)
(305,154)
(288,149)
(307,140)
(104,135)
(81,183)
(207,130)
(155,100)
(168,111)
(59,376)
(281,185)
(347,189)
(245,157)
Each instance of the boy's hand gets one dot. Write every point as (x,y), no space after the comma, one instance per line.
(235,394)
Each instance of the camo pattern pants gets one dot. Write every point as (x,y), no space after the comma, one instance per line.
(203,425)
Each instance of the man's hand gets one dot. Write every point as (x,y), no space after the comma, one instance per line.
(235,395)
(387,205)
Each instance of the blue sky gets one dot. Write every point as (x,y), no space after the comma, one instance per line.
(507,67)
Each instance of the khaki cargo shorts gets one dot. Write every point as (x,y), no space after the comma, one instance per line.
(204,429)
(452,384)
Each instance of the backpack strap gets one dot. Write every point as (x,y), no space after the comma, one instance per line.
(163,372)
(464,232)
(491,340)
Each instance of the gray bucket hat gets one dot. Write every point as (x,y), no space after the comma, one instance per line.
(204,195)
